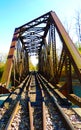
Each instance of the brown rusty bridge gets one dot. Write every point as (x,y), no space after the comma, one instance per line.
(58,59)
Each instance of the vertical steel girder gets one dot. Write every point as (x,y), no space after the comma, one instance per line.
(53,37)
(73,54)
(61,63)
(8,68)
(19,65)
(48,59)
(42,58)
(51,61)
(68,49)
(68,75)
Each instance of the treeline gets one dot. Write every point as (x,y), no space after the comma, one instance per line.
(2,65)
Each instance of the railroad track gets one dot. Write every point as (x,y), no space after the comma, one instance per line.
(71,119)
(13,105)
(38,108)
(36,105)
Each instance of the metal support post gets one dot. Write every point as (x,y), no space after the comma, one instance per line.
(68,75)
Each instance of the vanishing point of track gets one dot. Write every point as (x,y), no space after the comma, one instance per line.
(35,105)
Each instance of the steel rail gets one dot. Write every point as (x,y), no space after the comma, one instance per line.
(71,98)
(17,106)
(30,111)
(69,126)
(12,116)
(43,105)
(30,115)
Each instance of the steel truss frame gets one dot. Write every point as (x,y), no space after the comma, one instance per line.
(32,36)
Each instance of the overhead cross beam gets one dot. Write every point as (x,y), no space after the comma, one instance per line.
(33,32)
(33,23)
(32,37)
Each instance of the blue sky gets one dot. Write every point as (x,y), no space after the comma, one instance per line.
(14,13)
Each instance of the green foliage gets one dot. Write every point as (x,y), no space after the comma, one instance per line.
(2,65)
(79,49)
(32,67)
(78,46)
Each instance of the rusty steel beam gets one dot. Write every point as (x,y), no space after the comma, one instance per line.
(61,63)
(35,22)
(9,63)
(47,28)
(54,55)
(68,74)
(75,99)
(47,64)
(73,53)
(3,90)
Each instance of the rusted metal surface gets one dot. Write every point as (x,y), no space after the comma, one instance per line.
(9,63)
(72,97)
(30,111)
(54,55)
(3,89)
(35,22)
(14,105)
(61,63)
(26,93)
(75,99)
(43,106)
(12,117)
(74,55)
(33,38)
(17,61)
(69,76)
(69,126)
(30,116)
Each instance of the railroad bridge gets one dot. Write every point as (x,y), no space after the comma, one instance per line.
(58,59)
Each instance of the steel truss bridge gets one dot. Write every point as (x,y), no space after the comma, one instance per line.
(58,59)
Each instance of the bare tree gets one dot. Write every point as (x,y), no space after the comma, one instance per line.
(68,25)
(78,25)
(3,57)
